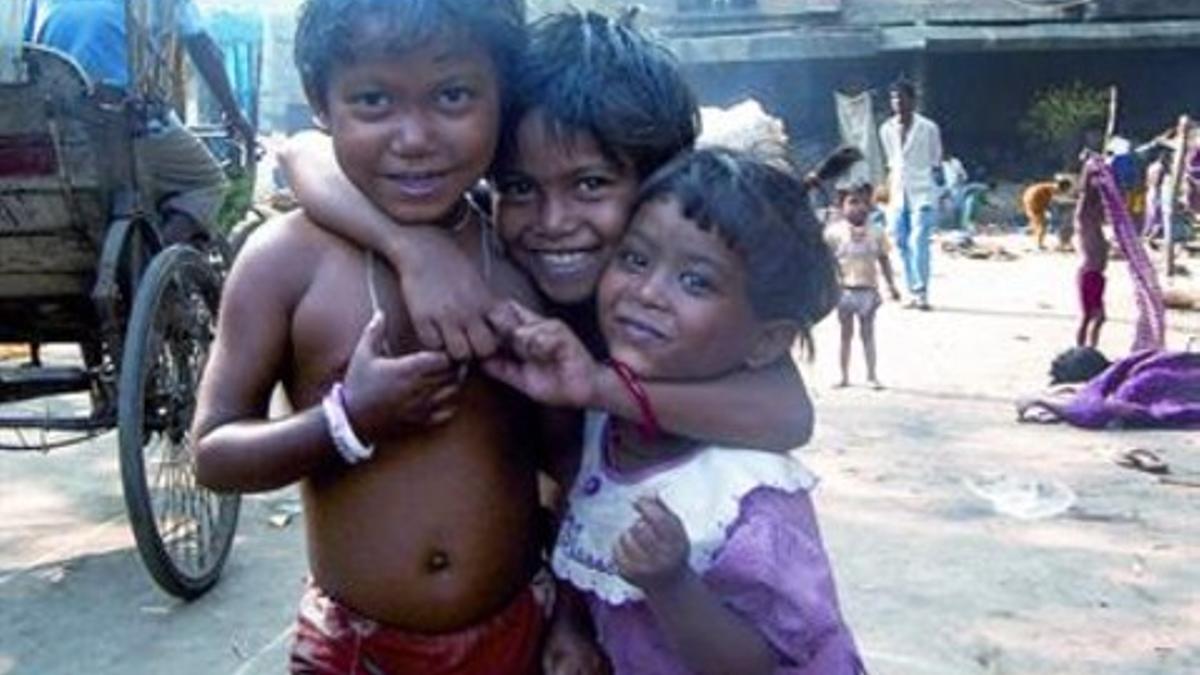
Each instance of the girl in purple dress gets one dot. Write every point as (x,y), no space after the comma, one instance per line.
(692,557)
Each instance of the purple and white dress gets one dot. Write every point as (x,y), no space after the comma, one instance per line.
(754,543)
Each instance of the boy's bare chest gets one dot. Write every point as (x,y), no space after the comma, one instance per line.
(329,320)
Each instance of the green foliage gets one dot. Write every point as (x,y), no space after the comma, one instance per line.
(237,201)
(1061,117)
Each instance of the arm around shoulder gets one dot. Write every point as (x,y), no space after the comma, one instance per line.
(445,295)
(327,195)
(335,204)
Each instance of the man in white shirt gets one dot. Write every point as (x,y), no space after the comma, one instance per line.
(912,147)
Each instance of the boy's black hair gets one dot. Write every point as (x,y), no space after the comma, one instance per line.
(589,74)
(763,213)
(341,32)
(904,86)
(863,189)
(1077,364)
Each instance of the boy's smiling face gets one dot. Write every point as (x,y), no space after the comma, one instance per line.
(674,302)
(414,131)
(563,207)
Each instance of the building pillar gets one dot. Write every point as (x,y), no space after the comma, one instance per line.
(922,81)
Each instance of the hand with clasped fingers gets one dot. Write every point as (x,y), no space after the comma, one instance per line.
(445,296)
(544,359)
(387,394)
(653,553)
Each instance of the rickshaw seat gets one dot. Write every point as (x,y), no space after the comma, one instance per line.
(64,157)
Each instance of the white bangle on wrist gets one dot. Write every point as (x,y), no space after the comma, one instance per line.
(345,441)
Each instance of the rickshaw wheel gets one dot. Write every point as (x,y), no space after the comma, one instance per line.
(184,532)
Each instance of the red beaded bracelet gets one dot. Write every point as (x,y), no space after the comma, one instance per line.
(649,424)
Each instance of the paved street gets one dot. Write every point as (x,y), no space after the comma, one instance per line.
(75,598)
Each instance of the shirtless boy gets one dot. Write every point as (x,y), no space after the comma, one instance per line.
(1093,247)
(420,519)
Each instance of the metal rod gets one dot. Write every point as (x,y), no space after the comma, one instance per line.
(1110,129)
(1171,195)
(49,423)
(47,446)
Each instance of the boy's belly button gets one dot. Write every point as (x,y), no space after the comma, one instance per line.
(438,561)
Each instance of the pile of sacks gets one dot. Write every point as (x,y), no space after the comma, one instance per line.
(13,352)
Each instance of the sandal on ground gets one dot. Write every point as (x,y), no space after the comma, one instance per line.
(1141,459)
(1032,411)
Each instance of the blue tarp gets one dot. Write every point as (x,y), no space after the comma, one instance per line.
(239,34)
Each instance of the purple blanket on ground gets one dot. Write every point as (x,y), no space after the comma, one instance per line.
(1148,389)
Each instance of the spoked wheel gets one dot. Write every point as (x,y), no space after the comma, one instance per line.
(183,531)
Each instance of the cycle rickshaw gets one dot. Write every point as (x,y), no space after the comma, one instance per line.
(82,261)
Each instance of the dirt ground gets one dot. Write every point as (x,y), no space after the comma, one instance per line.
(932,579)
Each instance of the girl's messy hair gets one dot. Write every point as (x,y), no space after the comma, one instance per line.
(763,214)
(589,74)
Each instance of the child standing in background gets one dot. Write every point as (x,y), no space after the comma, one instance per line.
(1093,247)
(862,252)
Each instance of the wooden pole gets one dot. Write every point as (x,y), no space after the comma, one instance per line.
(1110,129)
(1171,194)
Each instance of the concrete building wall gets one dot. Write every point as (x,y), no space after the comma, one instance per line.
(978,62)
(980,99)
(978,89)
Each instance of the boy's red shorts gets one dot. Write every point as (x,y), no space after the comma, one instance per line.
(332,639)
(1091,292)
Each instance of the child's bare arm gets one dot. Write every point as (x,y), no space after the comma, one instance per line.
(1089,217)
(243,366)
(885,266)
(443,290)
(706,635)
(237,448)
(766,408)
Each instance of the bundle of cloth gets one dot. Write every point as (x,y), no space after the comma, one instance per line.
(747,127)
(1151,389)
(1150,326)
